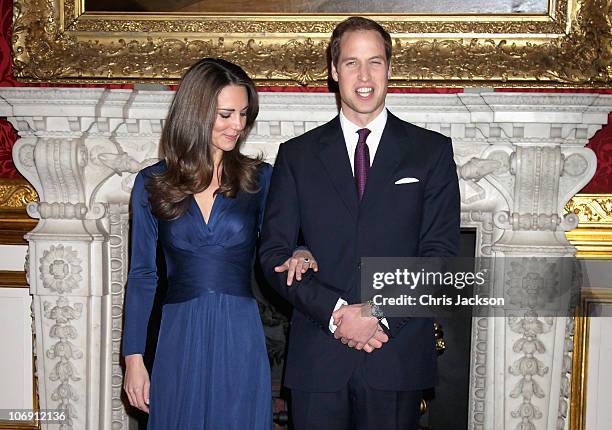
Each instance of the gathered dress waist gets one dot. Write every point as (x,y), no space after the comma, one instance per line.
(208,269)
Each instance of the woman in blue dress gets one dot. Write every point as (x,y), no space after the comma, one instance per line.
(204,203)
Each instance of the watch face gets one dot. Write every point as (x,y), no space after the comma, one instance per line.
(377,312)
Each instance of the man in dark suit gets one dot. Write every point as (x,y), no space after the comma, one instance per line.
(366,184)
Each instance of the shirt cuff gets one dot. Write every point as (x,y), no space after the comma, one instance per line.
(341,302)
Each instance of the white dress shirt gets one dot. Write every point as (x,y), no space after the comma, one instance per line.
(349,130)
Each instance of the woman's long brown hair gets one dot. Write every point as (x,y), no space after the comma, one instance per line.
(186,139)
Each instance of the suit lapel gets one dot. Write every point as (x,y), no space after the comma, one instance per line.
(391,151)
(332,153)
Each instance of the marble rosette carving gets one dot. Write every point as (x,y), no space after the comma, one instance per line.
(520,158)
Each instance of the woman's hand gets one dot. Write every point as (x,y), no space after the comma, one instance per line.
(136,382)
(298,264)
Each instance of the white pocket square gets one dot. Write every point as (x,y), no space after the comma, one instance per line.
(406,181)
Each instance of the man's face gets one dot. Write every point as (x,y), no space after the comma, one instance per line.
(362,74)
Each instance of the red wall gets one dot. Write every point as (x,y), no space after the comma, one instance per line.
(601,143)
(7,133)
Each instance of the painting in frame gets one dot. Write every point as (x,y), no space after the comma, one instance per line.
(566,45)
(299,7)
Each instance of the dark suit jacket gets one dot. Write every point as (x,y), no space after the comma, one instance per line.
(313,192)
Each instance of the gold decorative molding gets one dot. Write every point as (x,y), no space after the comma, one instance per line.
(15,194)
(20,425)
(592,209)
(593,237)
(13,279)
(569,46)
(593,240)
(23,425)
(580,357)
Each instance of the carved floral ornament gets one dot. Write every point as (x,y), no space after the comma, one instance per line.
(528,367)
(60,269)
(64,372)
(569,46)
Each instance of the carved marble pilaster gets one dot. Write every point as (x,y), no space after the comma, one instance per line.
(118,224)
(520,158)
(547,166)
(67,250)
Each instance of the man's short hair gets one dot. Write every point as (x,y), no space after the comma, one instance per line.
(357,23)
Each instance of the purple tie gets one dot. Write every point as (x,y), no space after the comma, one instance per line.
(362,161)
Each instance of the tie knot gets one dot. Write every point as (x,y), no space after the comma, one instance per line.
(363,135)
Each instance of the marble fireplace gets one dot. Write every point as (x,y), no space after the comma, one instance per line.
(520,157)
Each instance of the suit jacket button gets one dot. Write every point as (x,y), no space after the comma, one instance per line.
(359,266)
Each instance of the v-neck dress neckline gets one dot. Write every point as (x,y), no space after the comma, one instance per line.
(208,223)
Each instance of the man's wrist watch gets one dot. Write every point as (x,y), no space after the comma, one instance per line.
(376,311)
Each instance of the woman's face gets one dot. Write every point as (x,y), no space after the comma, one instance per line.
(230,119)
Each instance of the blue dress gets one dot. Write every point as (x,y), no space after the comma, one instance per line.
(211,368)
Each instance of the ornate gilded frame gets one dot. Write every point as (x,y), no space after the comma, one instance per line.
(569,46)
(580,357)
(593,237)
(593,240)
(15,194)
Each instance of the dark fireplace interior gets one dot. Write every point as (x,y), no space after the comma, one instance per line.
(447,404)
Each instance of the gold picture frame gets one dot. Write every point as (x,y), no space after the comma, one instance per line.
(593,236)
(568,46)
(15,194)
(593,240)
(580,356)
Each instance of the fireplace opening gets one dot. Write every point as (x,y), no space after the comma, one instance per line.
(446,405)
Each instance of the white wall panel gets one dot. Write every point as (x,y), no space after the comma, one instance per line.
(599,374)
(16,357)
(12,257)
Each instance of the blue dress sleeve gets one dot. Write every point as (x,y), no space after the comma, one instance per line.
(142,277)
(266,175)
